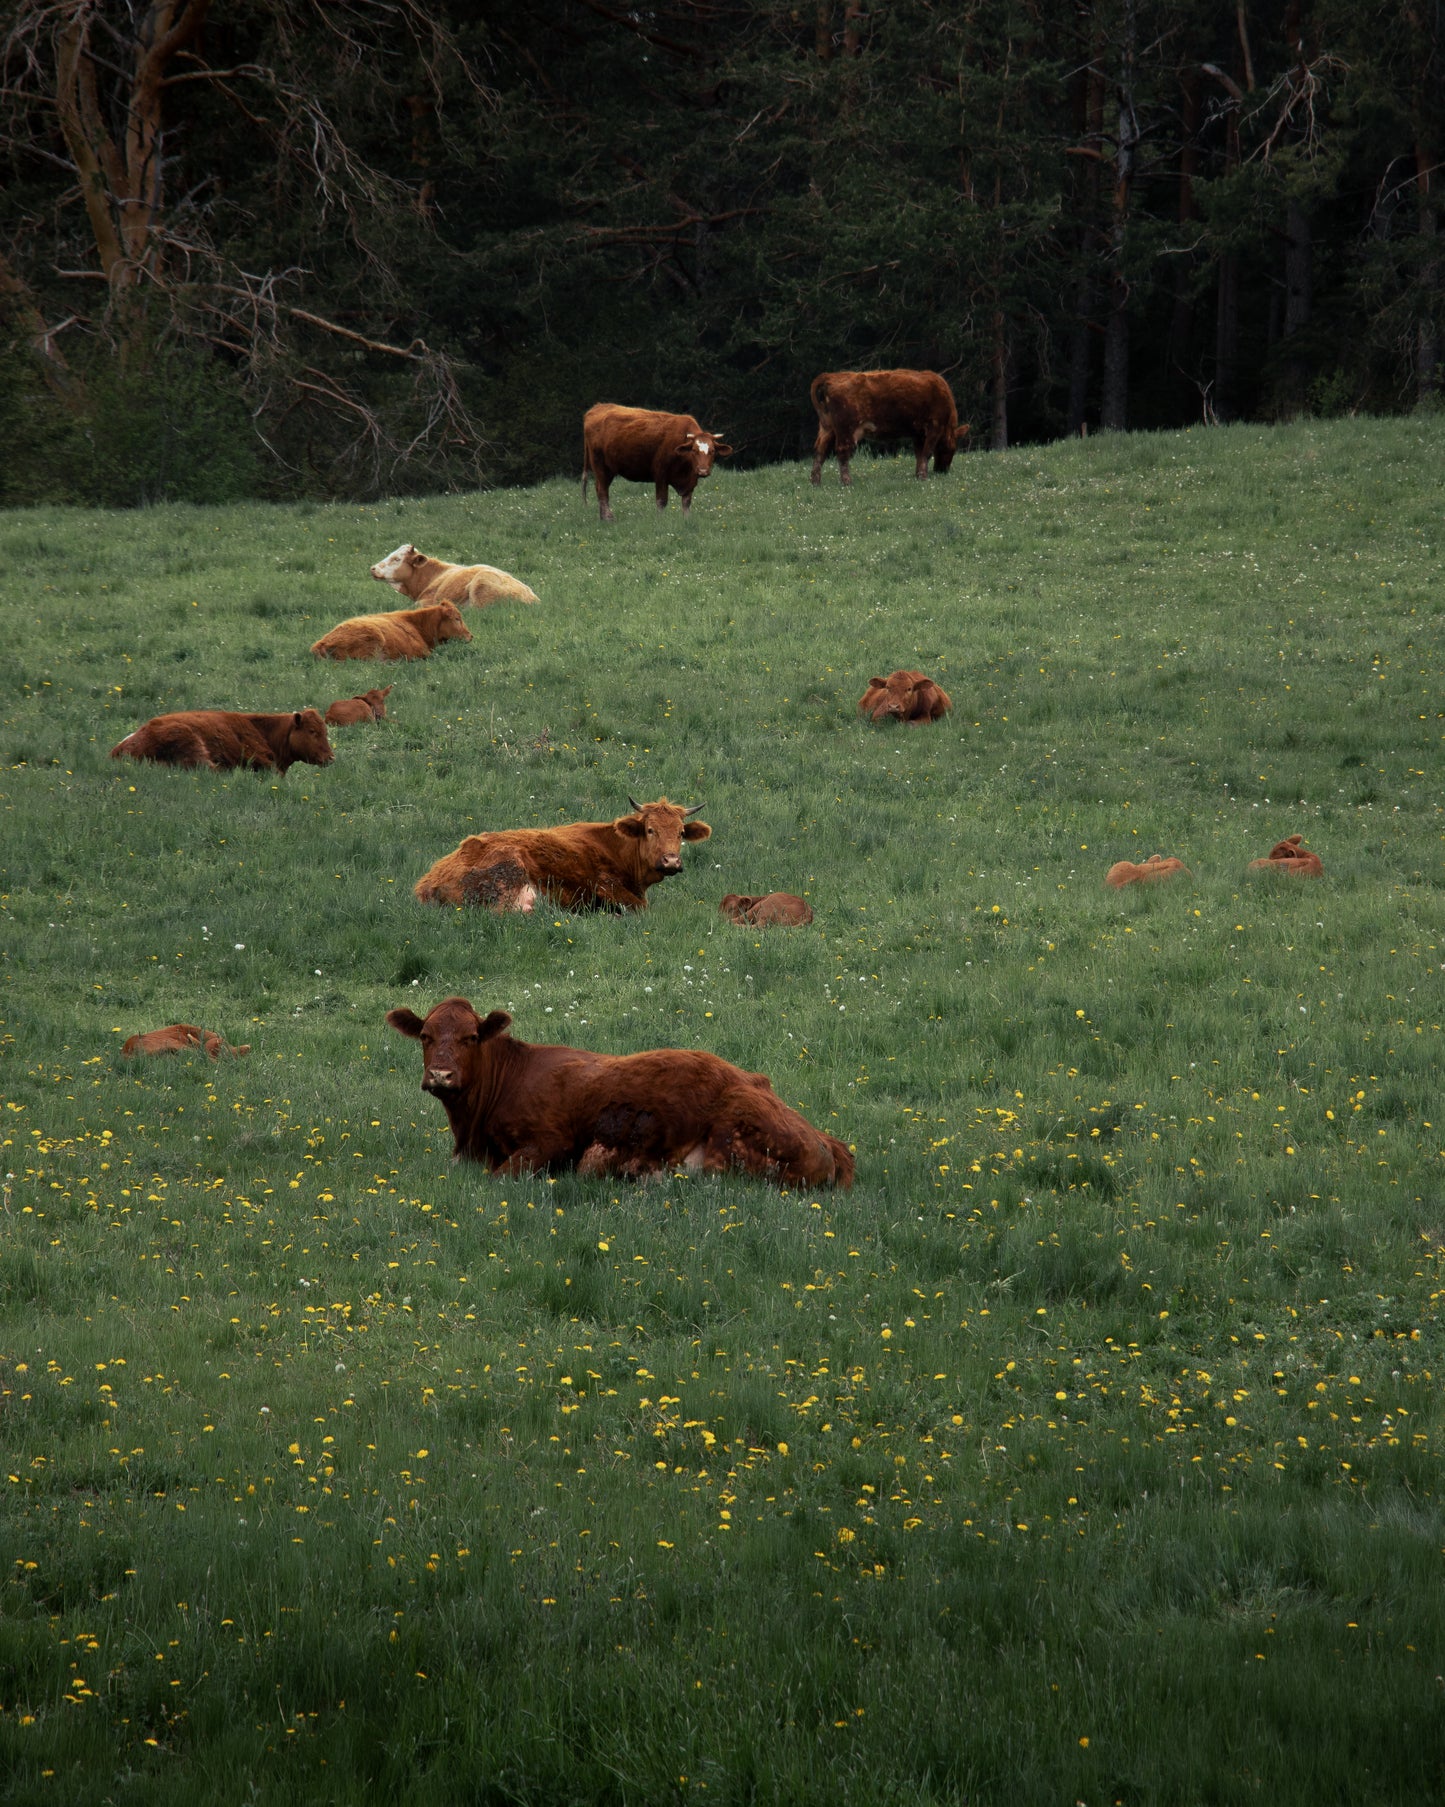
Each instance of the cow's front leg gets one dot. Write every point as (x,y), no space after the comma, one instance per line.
(662,495)
(685,497)
(922,451)
(526,1159)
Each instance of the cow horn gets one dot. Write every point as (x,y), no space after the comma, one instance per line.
(696,810)
(634,803)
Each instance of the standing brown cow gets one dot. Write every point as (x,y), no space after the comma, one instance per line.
(666,450)
(519,1107)
(583,866)
(854,405)
(399,634)
(223,738)
(370,706)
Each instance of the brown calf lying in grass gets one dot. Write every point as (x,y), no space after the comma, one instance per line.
(1291,856)
(778,909)
(400,634)
(348,711)
(1125,872)
(178,1038)
(905,696)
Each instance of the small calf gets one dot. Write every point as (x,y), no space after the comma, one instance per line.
(370,707)
(413,574)
(397,634)
(178,1038)
(905,696)
(1157,866)
(778,909)
(1291,856)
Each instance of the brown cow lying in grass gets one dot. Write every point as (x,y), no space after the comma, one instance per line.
(1291,856)
(669,451)
(179,1038)
(223,738)
(519,1107)
(424,579)
(778,909)
(581,866)
(905,696)
(401,634)
(369,707)
(1125,872)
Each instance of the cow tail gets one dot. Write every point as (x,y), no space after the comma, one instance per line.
(819,393)
(586,467)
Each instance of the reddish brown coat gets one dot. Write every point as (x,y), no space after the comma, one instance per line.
(223,738)
(1291,856)
(400,634)
(519,1107)
(584,865)
(779,909)
(369,707)
(854,405)
(178,1038)
(905,696)
(1125,872)
(424,579)
(665,450)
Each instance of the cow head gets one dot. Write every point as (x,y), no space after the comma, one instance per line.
(452,1038)
(397,567)
(944,450)
(307,740)
(699,450)
(450,625)
(736,908)
(659,830)
(375,701)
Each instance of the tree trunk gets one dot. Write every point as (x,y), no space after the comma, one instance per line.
(1114,411)
(998,384)
(1181,322)
(1298,295)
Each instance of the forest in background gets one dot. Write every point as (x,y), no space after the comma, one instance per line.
(371,247)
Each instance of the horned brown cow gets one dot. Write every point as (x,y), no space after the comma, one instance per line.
(224,738)
(423,579)
(176,1038)
(666,450)
(582,866)
(370,706)
(1146,872)
(399,634)
(519,1107)
(854,405)
(1293,857)
(906,696)
(779,909)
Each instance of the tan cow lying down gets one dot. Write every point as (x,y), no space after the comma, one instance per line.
(778,909)
(1291,856)
(425,579)
(905,696)
(223,738)
(1125,872)
(519,1107)
(853,405)
(581,866)
(402,634)
(669,451)
(178,1038)
(369,707)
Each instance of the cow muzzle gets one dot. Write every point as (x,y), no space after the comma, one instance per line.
(439,1079)
(669,864)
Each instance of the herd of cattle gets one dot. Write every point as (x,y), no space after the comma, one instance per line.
(510,1104)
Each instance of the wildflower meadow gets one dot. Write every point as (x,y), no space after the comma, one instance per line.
(1088,1450)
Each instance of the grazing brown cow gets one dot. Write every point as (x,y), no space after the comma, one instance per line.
(779,909)
(854,405)
(369,707)
(666,450)
(424,579)
(519,1107)
(402,634)
(905,696)
(582,866)
(179,1038)
(1125,872)
(222,738)
(1291,856)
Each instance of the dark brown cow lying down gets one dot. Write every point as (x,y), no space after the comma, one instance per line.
(582,866)
(424,579)
(905,696)
(400,634)
(1291,856)
(222,738)
(779,909)
(177,1038)
(853,405)
(644,446)
(519,1107)
(1125,872)
(369,707)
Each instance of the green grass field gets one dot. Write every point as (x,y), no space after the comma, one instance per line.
(1088,1450)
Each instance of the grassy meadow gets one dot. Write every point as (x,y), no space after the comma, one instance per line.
(1087,1451)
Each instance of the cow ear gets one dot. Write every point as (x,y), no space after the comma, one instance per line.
(493,1025)
(722,450)
(405,1022)
(296,719)
(696,831)
(631,825)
